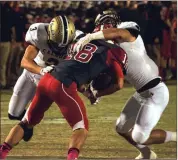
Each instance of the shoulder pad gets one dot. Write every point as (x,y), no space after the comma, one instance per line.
(36,34)
(129,25)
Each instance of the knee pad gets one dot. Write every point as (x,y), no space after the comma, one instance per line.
(118,126)
(139,135)
(28,132)
(124,126)
(11,117)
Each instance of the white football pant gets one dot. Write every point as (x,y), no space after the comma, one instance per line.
(23,92)
(142,112)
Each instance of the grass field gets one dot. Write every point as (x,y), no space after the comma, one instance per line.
(51,136)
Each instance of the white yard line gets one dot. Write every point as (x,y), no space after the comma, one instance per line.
(5,120)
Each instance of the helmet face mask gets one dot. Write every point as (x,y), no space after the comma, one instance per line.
(61,32)
(101,27)
(54,46)
(109,18)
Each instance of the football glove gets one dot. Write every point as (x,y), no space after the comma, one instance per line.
(47,69)
(82,42)
(93,95)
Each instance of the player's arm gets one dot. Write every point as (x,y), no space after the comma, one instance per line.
(28,60)
(115,34)
(31,52)
(117,69)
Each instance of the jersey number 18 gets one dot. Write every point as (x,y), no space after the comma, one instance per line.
(85,55)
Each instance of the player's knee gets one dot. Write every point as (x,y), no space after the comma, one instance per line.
(118,126)
(28,132)
(122,127)
(80,125)
(139,135)
(11,117)
(83,132)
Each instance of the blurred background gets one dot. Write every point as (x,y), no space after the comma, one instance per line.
(157,19)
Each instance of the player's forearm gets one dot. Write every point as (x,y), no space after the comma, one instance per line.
(31,66)
(112,33)
(107,34)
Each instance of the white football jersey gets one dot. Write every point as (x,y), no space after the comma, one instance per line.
(129,24)
(37,36)
(140,69)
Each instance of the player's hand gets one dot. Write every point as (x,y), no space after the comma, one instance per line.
(82,42)
(47,69)
(93,95)
(93,91)
(96,101)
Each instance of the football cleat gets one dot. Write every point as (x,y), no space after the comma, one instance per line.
(152,155)
(4,151)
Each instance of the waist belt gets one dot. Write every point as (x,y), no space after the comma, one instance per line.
(150,84)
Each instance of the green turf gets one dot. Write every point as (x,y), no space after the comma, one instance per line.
(52,135)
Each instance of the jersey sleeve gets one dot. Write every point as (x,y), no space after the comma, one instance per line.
(31,35)
(129,25)
(118,55)
(116,60)
(117,68)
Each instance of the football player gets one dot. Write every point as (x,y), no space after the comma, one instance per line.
(42,53)
(60,86)
(144,109)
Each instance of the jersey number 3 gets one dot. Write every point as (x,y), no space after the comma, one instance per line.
(85,55)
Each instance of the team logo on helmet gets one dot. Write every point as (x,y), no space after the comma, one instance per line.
(61,32)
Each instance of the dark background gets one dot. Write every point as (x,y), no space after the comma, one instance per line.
(157,19)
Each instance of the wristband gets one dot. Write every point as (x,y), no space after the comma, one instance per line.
(97,35)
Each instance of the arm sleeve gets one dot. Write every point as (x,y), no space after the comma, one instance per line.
(31,35)
(133,32)
(117,68)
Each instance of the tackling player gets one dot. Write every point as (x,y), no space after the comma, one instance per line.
(144,109)
(46,48)
(60,86)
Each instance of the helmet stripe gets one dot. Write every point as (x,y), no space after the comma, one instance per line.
(65,26)
(62,28)
(67,30)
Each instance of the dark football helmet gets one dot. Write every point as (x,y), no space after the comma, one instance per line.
(108,17)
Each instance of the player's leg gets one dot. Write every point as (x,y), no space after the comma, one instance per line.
(23,92)
(126,122)
(40,103)
(71,104)
(154,104)
(73,109)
